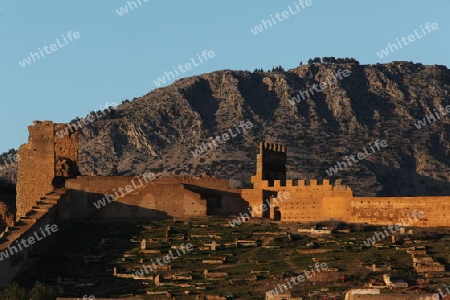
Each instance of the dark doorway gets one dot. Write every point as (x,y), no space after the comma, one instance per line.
(276,214)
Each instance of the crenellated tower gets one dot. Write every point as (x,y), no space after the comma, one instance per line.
(50,156)
(270,164)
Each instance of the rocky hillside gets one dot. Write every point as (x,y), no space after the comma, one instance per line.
(160,130)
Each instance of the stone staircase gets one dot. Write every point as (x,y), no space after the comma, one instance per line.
(43,206)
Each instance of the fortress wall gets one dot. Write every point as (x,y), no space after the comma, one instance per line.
(79,206)
(169,197)
(162,196)
(255,200)
(301,209)
(389,210)
(36,167)
(75,205)
(102,184)
(194,206)
(211,183)
(337,206)
(120,211)
(224,203)
(312,201)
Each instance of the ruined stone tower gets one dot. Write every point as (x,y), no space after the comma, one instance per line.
(45,161)
(270,164)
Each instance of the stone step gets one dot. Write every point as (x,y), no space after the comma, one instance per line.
(52,196)
(24,221)
(49,202)
(42,208)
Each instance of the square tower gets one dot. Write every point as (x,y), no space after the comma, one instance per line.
(270,163)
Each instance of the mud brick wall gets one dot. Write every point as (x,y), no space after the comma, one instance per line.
(36,168)
(38,160)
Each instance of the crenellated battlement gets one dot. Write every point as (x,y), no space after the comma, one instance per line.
(312,184)
(270,163)
(272,147)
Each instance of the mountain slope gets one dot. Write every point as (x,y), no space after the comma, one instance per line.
(158,131)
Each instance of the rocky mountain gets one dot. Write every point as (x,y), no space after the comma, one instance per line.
(160,131)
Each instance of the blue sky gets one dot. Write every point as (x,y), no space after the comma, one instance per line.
(120,57)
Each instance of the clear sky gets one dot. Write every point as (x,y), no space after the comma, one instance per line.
(119,57)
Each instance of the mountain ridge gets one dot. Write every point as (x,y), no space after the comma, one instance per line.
(158,131)
(382,101)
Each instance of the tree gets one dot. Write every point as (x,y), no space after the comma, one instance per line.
(42,292)
(13,292)
(278,69)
